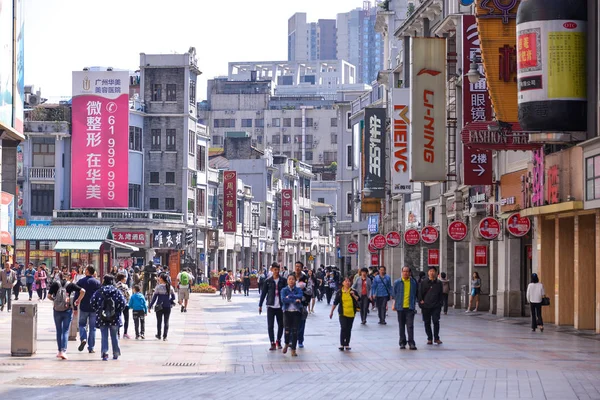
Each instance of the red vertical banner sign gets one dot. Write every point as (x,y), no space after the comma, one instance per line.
(287,213)
(230,202)
(481,256)
(374,260)
(433,257)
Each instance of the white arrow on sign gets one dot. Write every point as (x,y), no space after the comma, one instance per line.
(480,170)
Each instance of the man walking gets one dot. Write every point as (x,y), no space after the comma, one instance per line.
(362,286)
(8,279)
(405,294)
(17,288)
(87,316)
(272,292)
(430,300)
(381,292)
(184,280)
(29,279)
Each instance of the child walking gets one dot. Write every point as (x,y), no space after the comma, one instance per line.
(139,308)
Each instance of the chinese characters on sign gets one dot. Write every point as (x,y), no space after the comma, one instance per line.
(374,152)
(287,213)
(379,241)
(457,230)
(433,257)
(412,237)
(400,132)
(553,185)
(481,258)
(230,202)
(489,228)
(537,179)
(393,239)
(137,238)
(518,226)
(101,133)
(429,234)
(165,239)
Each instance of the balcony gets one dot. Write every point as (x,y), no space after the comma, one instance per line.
(42,173)
(120,216)
(47,127)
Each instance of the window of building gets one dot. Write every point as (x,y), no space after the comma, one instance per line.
(287,139)
(171,133)
(308,156)
(155,145)
(191,206)
(592,178)
(192,92)
(201,202)
(309,122)
(287,122)
(259,123)
(135,196)
(171,92)
(321,200)
(298,155)
(348,121)
(192,142)
(349,156)
(269,181)
(298,139)
(201,160)
(298,122)
(334,138)
(169,203)
(154,203)
(224,123)
(154,177)
(259,139)
(157,92)
(276,122)
(329,157)
(192,179)
(212,202)
(334,122)
(308,139)
(43,152)
(247,123)
(217,140)
(135,138)
(269,218)
(42,199)
(169,177)
(349,203)
(276,139)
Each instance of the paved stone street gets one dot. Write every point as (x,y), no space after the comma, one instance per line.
(220,350)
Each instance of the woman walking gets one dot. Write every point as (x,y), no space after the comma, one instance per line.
(124,289)
(229,284)
(312,285)
(291,296)
(41,282)
(164,297)
(535,294)
(475,291)
(346,299)
(247,282)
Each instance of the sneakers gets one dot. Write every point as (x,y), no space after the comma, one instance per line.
(185,310)
(341,348)
(63,355)
(157,336)
(412,347)
(182,308)
(278,343)
(402,347)
(273,347)
(301,345)
(91,351)
(126,336)
(438,341)
(285,348)
(142,337)
(104,357)
(164,339)
(467,311)
(82,345)
(137,337)
(348,348)
(115,357)
(294,354)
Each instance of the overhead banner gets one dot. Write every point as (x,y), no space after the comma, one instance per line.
(428,109)
(230,202)
(287,213)
(7,219)
(374,152)
(400,145)
(100,115)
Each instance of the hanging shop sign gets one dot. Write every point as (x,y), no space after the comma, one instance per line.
(480,256)
(428,113)
(374,260)
(433,257)
(287,213)
(136,238)
(379,241)
(491,135)
(457,230)
(477,166)
(393,239)
(230,202)
(374,152)
(517,225)
(371,247)
(352,247)
(166,239)
(489,228)
(400,144)
(412,237)
(429,234)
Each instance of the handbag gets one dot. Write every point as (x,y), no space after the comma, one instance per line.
(158,307)
(545,301)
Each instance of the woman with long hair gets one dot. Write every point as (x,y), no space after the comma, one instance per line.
(475,291)
(346,299)
(164,297)
(41,282)
(535,294)
(246,277)
(311,290)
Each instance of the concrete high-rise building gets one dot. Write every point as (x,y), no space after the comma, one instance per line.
(309,41)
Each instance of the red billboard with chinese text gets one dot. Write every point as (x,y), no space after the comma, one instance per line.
(287,213)
(100,140)
(230,202)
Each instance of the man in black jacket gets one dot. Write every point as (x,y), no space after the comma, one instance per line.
(430,300)
(272,292)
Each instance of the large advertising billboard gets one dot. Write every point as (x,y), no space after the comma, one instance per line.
(6,62)
(230,201)
(428,109)
(287,213)
(100,140)
(373,152)
(19,89)
(400,145)
(7,219)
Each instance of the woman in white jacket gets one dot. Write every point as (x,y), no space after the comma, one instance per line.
(535,293)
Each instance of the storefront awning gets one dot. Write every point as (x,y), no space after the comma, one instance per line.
(63,232)
(82,246)
(122,245)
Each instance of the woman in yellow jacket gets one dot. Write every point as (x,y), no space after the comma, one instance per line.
(347,300)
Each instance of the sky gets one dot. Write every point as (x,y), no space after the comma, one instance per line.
(62,36)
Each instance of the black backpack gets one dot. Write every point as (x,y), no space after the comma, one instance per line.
(109,311)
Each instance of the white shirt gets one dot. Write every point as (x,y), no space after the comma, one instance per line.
(276,303)
(535,292)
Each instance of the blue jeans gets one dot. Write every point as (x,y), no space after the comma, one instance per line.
(113,330)
(84,316)
(62,321)
(301,328)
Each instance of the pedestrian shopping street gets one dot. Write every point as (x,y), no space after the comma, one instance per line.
(219,350)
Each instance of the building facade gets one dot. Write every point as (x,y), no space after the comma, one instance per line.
(309,41)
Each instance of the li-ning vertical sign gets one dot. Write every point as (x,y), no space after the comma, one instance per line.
(287,213)
(230,202)
(374,152)
(100,115)
(399,163)
(428,113)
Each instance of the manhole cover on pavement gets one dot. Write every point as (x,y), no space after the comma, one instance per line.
(41,382)
(179,364)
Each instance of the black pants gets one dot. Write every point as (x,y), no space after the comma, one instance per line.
(30,290)
(166,313)
(272,314)
(125,320)
(346,330)
(406,323)
(445,302)
(139,320)
(381,302)
(41,291)
(291,322)
(364,307)
(247,287)
(328,293)
(17,289)
(432,315)
(536,315)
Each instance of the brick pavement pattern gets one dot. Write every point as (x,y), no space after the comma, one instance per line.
(219,350)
